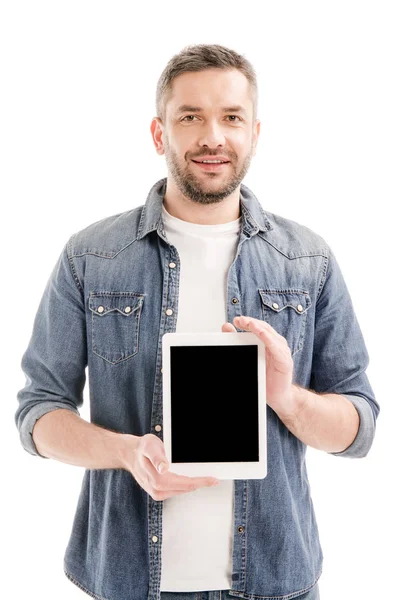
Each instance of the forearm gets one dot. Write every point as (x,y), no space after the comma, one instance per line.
(327,422)
(64,436)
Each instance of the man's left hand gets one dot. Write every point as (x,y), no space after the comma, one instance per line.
(279,364)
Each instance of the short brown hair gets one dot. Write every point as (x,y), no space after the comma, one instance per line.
(199,58)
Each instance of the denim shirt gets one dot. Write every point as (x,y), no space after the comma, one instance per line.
(283,273)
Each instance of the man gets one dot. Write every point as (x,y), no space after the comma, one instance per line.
(200,255)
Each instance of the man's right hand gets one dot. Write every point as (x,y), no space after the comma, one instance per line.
(143,455)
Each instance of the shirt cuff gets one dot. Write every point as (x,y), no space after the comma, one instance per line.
(366,431)
(30,419)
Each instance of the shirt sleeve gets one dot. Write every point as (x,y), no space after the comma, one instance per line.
(340,357)
(55,359)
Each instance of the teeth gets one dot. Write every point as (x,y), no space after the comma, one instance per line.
(212,161)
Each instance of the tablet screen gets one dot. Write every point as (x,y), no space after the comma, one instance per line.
(214,403)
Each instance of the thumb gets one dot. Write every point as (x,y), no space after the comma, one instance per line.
(162,465)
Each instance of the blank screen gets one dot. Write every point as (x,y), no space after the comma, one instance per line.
(214,404)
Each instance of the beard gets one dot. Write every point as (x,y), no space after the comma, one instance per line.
(201,188)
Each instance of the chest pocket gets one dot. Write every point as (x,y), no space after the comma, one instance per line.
(115,324)
(286,312)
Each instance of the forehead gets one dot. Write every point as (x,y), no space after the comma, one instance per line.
(209,89)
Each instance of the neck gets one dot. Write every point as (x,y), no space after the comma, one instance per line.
(180,206)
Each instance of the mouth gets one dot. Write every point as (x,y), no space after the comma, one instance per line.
(211,166)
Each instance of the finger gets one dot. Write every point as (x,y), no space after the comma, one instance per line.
(163,467)
(174,477)
(154,451)
(169,481)
(181,482)
(255,325)
(170,484)
(274,343)
(228,328)
(192,488)
(171,493)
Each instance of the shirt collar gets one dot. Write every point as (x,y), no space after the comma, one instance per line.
(254,216)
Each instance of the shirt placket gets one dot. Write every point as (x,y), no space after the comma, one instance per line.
(167,325)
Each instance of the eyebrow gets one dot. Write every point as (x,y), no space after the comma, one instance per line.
(189,108)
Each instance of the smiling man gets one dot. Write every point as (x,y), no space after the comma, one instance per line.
(208,116)
(201,254)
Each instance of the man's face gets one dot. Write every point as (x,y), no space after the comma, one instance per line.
(210,128)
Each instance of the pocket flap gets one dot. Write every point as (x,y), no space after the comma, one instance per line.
(126,303)
(277,300)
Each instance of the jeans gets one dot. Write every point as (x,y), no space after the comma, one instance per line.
(312,594)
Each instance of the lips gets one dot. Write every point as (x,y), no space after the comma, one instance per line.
(200,161)
(211,166)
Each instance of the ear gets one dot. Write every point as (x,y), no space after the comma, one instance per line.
(255,135)
(156,129)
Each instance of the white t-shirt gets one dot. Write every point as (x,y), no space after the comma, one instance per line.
(197,529)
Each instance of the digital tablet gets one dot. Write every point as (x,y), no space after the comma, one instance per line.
(214,404)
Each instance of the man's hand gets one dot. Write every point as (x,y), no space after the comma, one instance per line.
(327,422)
(279,364)
(143,456)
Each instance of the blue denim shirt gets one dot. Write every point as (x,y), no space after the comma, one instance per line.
(114,551)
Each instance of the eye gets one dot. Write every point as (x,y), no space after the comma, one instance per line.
(234,116)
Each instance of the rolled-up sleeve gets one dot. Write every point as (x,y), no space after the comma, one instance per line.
(340,357)
(56,357)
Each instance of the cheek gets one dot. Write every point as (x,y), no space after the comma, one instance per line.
(183,149)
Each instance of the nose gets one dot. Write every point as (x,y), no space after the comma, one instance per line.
(211,135)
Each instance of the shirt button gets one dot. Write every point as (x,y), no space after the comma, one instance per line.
(154,538)
(275,305)
(299,307)
(172,265)
(169,311)
(157,427)
(100,309)
(127,309)
(235,300)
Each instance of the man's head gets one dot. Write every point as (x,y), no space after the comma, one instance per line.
(206,106)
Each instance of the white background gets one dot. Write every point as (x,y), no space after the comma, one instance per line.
(78,86)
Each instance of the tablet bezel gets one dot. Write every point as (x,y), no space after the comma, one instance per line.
(232,470)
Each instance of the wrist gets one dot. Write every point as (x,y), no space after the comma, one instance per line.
(126,446)
(298,399)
